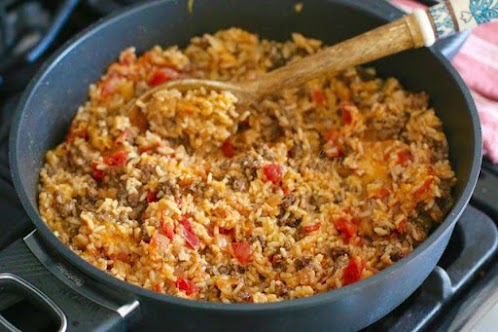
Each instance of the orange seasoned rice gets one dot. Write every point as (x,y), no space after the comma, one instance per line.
(307,191)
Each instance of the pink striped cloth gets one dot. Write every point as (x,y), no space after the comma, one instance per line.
(477,63)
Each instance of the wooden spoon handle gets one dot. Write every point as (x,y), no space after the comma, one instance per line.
(388,39)
(451,17)
(421,28)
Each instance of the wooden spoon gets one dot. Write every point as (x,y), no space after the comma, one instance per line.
(421,28)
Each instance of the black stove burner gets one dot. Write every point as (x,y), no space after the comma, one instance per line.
(28,29)
(22,26)
(6,112)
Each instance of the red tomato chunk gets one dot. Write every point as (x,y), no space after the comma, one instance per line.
(401,228)
(318,97)
(273,173)
(333,147)
(404,156)
(347,228)
(189,234)
(347,118)
(424,188)
(163,75)
(286,190)
(117,158)
(167,229)
(352,272)
(242,251)
(312,228)
(151,197)
(97,174)
(186,285)
(382,192)
(332,135)
(227,149)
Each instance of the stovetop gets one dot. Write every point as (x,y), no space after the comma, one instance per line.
(461,289)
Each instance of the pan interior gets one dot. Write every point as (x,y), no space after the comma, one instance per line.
(52,99)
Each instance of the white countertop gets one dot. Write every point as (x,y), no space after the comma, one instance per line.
(489,322)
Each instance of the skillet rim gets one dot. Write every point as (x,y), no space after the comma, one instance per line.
(71,258)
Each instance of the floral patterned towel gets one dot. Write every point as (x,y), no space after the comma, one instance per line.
(477,63)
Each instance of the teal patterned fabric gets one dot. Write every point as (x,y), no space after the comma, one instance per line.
(443,21)
(484,11)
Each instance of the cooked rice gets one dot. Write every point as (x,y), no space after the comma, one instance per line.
(319,187)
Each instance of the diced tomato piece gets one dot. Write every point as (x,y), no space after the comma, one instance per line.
(424,188)
(145,149)
(401,228)
(242,251)
(226,231)
(151,197)
(312,228)
(332,135)
(163,75)
(167,229)
(189,234)
(286,190)
(117,158)
(227,149)
(273,173)
(346,115)
(97,174)
(347,228)
(186,285)
(332,146)
(318,97)
(352,272)
(382,192)
(404,156)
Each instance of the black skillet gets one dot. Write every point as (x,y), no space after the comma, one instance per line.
(81,297)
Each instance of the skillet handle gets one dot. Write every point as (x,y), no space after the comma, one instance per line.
(61,299)
(14,223)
